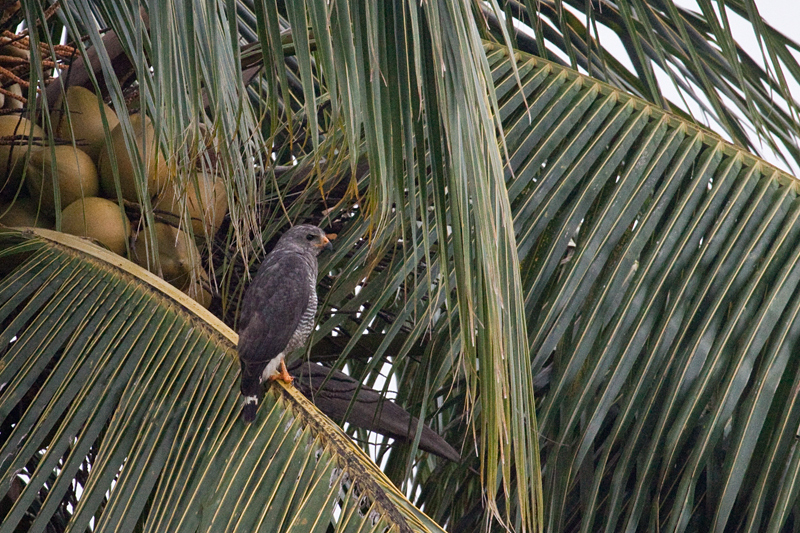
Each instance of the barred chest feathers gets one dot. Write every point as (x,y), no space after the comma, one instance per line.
(306,324)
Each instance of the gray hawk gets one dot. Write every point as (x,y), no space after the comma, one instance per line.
(278,311)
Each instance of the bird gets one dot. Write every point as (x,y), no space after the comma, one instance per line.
(278,311)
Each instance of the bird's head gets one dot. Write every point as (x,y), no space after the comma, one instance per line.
(307,238)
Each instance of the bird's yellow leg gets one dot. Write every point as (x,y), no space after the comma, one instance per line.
(283,375)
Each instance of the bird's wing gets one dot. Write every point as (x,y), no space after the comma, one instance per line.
(272,307)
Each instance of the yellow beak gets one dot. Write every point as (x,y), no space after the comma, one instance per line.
(326,241)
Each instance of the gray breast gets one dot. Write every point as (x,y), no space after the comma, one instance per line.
(306,324)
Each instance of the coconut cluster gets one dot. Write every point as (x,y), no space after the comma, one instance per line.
(79,181)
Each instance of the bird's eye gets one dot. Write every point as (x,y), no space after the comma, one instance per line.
(310,237)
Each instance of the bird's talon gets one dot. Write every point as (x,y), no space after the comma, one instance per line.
(286,378)
(283,374)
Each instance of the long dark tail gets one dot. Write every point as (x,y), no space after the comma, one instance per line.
(252,393)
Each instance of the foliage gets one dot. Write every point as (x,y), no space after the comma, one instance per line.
(123,397)
(626,266)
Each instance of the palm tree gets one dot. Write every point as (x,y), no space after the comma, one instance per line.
(520,217)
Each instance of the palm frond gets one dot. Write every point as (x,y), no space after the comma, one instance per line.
(685,62)
(120,412)
(631,268)
(667,329)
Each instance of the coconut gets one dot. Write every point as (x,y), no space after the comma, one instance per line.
(98,219)
(156,168)
(85,118)
(74,171)
(206,203)
(177,254)
(12,155)
(23,213)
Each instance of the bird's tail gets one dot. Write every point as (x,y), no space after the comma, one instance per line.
(252,393)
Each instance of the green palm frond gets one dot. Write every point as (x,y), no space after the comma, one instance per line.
(632,269)
(706,74)
(638,237)
(658,276)
(667,331)
(120,413)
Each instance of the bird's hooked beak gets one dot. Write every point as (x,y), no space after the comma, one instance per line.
(326,241)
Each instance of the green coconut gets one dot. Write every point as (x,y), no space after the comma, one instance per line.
(206,201)
(177,254)
(75,174)
(98,219)
(156,168)
(84,120)
(12,153)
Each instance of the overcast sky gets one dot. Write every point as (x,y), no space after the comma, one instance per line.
(784,16)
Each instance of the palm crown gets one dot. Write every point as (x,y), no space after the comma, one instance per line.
(578,285)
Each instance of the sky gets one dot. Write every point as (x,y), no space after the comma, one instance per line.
(784,16)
